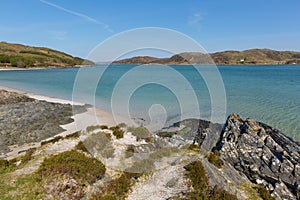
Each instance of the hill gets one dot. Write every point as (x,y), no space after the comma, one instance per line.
(21,56)
(252,56)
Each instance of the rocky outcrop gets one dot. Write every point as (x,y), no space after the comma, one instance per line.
(264,154)
(25,120)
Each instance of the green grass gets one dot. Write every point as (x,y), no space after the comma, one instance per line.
(24,187)
(83,169)
(202,190)
(28,155)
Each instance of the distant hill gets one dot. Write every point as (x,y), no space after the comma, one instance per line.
(253,56)
(21,56)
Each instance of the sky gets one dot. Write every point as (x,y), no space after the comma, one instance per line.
(76,26)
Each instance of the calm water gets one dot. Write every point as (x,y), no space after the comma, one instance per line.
(270,94)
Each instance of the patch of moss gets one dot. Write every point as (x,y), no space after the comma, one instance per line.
(92,128)
(214,158)
(83,169)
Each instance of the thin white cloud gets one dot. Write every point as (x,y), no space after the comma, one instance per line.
(90,19)
(196,18)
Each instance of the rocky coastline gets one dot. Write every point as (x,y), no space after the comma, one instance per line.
(241,159)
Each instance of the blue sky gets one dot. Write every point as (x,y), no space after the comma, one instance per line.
(76,26)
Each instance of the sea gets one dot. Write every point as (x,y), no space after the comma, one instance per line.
(267,93)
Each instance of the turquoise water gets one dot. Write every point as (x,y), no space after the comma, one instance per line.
(270,94)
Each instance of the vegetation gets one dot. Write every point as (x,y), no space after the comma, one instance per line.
(28,155)
(202,189)
(101,143)
(214,158)
(73,135)
(118,188)
(194,147)
(83,169)
(147,164)
(254,191)
(80,146)
(21,56)
(23,187)
(263,193)
(140,132)
(55,139)
(93,128)
(117,131)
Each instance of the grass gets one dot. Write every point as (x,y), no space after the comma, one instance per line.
(83,169)
(28,155)
(140,132)
(202,189)
(254,191)
(214,158)
(24,187)
(118,188)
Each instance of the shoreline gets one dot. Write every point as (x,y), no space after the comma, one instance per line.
(93,116)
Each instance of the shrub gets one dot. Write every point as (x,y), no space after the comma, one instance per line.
(4,164)
(80,146)
(73,135)
(104,127)
(214,158)
(264,193)
(55,139)
(74,164)
(117,131)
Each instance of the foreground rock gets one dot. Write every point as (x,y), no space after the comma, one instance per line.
(264,154)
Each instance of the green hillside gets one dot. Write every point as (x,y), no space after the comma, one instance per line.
(21,56)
